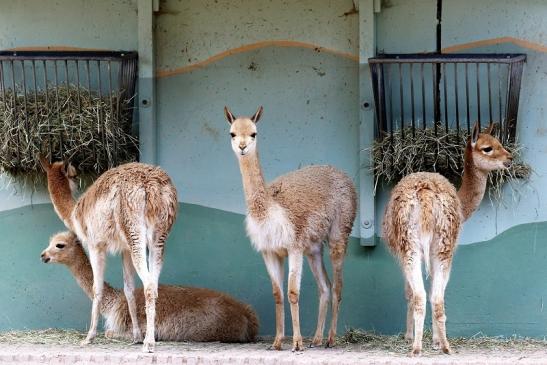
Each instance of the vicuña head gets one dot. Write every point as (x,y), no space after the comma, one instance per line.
(63,248)
(485,152)
(62,172)
(243,132)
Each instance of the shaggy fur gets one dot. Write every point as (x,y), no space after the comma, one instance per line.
(183,313)
(292,217)
(129,209)
(421,223)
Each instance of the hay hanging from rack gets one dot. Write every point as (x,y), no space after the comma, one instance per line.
(395,157)
(92,131)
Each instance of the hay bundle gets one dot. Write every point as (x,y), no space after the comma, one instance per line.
(395,157)
(70,123)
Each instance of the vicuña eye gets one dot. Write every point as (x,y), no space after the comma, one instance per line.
(60,245)
(233,135)
(487,149)
(253,135)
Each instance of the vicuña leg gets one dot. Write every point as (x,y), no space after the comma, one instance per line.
(412,268)
(97,260)
(337,255)
(129,290)
(440,275)
(138,256)
(315,259)
(296,258)
(409,335)
(274,265)
(155,264)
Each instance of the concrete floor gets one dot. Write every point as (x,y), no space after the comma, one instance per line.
(216,353)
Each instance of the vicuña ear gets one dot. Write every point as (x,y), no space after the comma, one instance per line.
(475,133)
(44,163)
(491,128)
(255,118)
(69,170)
(228,114)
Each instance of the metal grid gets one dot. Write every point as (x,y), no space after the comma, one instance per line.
(449,91)
(24,75)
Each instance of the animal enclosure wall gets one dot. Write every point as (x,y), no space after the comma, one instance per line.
(300,60)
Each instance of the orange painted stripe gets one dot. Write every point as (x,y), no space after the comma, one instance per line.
(488,42)
(250,47)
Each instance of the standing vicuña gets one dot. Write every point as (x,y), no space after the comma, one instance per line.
(184,313)
(422,222)
(129,209)
(292,217)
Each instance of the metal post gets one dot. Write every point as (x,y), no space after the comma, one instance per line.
(367,48)
(147,89)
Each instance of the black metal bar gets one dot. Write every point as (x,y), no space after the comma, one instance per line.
(62,55)
(412,100)
(401,101)
(515,76)
(382,100)
(58,111)
(445,99)
(390,103)
(489,94)
(15,109)
(436,111)
(467,99)
(448,58)
(501,119)
(109,67)
(25,101)
(478,96)
(78,86)
(2,83)
(101,126)
(423,95)
(47,112)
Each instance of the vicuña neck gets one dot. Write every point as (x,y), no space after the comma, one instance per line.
(254,185)
(473,185)
(82,272)
(61,196)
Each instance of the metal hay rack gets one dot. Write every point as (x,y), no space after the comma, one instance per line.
(446,91)
(75,105)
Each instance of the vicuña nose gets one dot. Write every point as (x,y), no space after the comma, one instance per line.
(242,147)
(44,258)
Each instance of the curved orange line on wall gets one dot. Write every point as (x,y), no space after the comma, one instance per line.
(55,48)
(489,42)
(250,47)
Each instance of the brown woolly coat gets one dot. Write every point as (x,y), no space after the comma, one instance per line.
(182,313)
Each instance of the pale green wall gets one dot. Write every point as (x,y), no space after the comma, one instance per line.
(310,92)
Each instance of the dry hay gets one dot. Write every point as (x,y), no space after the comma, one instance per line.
(366,341)
(93,132)
(395,157)
(53,336)
(397,343)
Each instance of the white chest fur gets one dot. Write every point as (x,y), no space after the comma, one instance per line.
(274,233)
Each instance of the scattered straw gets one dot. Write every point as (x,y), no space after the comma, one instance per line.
(397,343)
(92,131)
(52,336)
(395,157)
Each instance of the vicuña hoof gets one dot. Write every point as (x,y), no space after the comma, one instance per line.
(316,342)
(446,349)
(148,346)
(415,352)
(276,345)
(86,342)
(297,344)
